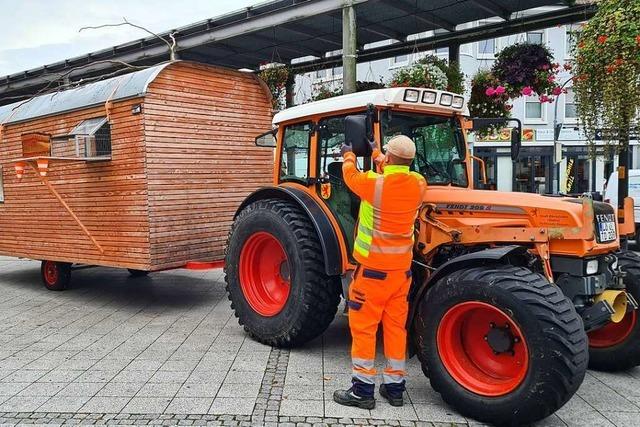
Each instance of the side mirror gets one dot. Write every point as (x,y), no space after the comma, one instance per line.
(356,134)
(267,139)
(516,143)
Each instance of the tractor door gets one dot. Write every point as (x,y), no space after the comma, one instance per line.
(340,200)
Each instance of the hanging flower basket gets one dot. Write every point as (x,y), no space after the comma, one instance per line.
(527,69)
(276,76)
(488,99)
(327,91)
(426,75)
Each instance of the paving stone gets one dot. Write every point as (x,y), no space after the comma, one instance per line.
(147,405)
(189,405)
(226,405)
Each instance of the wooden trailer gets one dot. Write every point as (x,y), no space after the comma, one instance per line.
(142,171)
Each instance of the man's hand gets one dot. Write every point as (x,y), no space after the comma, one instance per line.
(345,149)
(379,159)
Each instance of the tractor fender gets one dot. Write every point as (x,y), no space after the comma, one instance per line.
(498,255)
(319,219)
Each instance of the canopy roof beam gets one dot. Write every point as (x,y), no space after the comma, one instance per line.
(493,7)
(426,17)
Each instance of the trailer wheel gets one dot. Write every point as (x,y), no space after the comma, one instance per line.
(616,346)
(55,275)
(501,344)
(275,276)
(137,273)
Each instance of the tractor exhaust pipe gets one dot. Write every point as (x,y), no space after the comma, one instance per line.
(617,300)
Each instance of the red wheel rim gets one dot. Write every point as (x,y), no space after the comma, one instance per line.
(468,355)
(613,333)
(264,274)
(51,273)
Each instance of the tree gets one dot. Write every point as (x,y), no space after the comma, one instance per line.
(607,77)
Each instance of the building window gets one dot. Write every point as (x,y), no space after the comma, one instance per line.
(533,109)
(487,48)
(570,111)
(321,74)
(90,138)
(572,33)
(398,60)
(535,37)
(337,72)
(1,186)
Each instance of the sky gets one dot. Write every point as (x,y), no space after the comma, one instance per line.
(39,32)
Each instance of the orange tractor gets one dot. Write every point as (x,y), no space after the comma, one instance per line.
(514,294)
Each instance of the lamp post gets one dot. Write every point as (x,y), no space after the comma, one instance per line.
(557,147)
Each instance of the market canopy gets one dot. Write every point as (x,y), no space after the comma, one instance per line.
(308,35)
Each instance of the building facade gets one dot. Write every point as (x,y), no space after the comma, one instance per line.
(581,167)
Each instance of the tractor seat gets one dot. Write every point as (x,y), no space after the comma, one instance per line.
(340,189)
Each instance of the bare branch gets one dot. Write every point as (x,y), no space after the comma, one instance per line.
(171,46)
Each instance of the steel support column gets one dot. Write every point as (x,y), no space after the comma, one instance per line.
(454,53)
(349,47)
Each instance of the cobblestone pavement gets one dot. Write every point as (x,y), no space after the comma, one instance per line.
(166,349)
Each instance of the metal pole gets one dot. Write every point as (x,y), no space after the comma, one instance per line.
(454,53)
(349,47)
(555,187)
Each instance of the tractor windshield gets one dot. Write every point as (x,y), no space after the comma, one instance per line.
(440,147)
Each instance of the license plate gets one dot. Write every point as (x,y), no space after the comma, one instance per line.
(607,230)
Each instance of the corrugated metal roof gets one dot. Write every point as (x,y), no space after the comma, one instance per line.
(121,87)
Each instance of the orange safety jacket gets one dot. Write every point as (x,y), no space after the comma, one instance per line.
(388,210)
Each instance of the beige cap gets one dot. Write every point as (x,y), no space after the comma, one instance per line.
(401,146)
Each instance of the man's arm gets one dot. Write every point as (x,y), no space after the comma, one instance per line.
(358,182)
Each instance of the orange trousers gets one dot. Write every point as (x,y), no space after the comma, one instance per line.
(379,296)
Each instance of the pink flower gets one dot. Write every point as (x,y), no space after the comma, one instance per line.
(543,98)
(551,78)
(500,90)
(527,90)
(490,91)
(556,90)
(545,67)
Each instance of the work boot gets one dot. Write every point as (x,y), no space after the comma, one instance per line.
(359,395)
(393,393)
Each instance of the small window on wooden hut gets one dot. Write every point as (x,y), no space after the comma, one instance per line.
(91,138)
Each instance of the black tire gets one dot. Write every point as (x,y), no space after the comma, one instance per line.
(313,296)
(550,327)
(55,275)
(137,273)
(626,354)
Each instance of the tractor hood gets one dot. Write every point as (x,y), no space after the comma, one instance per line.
(563,218)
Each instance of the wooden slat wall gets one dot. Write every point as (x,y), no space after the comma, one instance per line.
(200,125)
(110,198)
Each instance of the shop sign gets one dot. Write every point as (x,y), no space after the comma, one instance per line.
(504,135)
(566,134)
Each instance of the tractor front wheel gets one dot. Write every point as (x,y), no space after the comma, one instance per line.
(55,275)
(501,344)
(616,346)
(275,277)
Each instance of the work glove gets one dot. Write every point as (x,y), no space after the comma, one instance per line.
(345,149)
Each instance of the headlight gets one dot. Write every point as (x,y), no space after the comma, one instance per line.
(591,267)
(429,97)
(458,101)
(446,99)
(411,95)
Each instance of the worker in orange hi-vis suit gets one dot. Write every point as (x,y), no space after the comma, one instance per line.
(384,249)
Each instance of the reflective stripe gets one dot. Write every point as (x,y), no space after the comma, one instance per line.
(392,378)
(364,230)
(365,378)
(396,364)
(392,236)
(377,194)
(364,245)
(391,169)
(390,249)
(363,370)
(362,363)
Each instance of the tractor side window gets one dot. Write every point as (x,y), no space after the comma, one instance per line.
(295,152)
(331,139)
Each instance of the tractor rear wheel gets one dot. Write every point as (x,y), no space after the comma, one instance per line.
(275,277)
(616,346)
(55,275)
(501,344)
